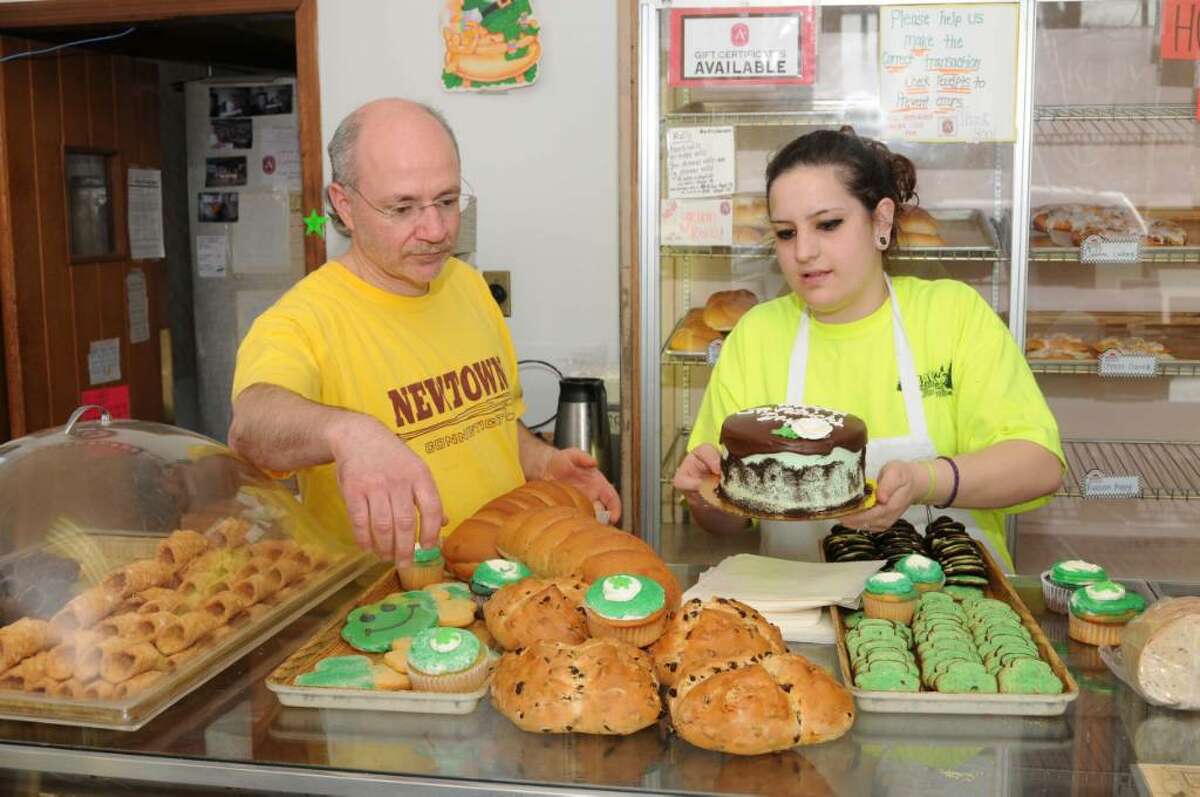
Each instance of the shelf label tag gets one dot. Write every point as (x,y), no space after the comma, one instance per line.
(1180,38)
(1110,249)
(1097,485)
(713,351)
(1113,363)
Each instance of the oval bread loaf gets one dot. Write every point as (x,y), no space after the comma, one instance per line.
(716,630)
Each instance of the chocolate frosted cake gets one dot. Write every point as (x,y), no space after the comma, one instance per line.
(788,459)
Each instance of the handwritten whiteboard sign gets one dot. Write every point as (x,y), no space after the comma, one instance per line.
(696,222)
(700,161)
(948,73)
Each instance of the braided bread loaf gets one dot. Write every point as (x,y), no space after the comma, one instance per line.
(537,609)
(603,686)
(716,630)
(759,703)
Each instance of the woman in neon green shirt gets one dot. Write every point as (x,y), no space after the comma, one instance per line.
(954,415)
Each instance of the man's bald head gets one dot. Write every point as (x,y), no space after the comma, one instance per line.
(389,114)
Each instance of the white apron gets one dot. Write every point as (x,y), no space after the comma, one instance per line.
(802,539)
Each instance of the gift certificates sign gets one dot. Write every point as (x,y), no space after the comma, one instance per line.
(742,46)
(948,73)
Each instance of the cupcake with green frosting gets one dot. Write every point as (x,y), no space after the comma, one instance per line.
(447,660)
(925,573)
(890,596)
(493,574)
(1061,580)
(1100,611)
(626,607)
(426,568)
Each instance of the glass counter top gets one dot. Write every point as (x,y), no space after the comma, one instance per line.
(233,732)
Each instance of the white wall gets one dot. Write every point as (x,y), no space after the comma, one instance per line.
(542,159)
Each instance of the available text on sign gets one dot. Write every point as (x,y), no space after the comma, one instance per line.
(742,46)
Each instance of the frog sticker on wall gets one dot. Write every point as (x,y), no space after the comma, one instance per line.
(490,45)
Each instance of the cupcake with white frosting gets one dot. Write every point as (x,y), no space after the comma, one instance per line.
(1100,611)
(925,573)
(1061,581)
(890,596)
(446,660)
(627,607)
(493,574)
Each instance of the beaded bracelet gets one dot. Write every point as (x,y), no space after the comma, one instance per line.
(953,488)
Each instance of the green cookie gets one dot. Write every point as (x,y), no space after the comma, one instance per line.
(373,627)
(887,682)
(853,619)
(1029,677)
(964,679)
(964,594)
(890,666)
(348,672)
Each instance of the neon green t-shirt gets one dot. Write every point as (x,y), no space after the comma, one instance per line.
(976,386)
(438,369)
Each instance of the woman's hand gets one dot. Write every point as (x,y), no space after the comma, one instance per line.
(899,485)
(702,461)
(576,466)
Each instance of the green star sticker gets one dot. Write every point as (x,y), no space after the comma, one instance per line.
(314,223)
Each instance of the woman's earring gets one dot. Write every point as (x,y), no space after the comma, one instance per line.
(883,242)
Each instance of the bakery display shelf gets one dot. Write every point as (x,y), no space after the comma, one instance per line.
(246,632)
(1164,470)
(1084,367)
(1140,123)
(674,454)
(327,642)
(973,704)
(1043,250)
(762,113)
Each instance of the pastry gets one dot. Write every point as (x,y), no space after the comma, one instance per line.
(789,459)
(25,638)
(184,632)
(1059,346)
(537,609)
(1161,649)
(493,574)
(602,686)
(447,660)
(122,662)
(1077,222)
(181,547)
(133,627)
(759,703)
(454,603)
(626,607)
(228,533)
(426,569)
(723,308)
(1064,577)
(1139,346)
(925,574)
(751,222)
(889,596)
(717,629)
(373,627)
(694,337)
(139,576)
(1098,612)
(352,672)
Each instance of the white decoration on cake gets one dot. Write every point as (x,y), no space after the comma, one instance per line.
(446,644)
(811,428)
(620,588)
(1080,565)
(1105,592)
(888,578)
(503,566)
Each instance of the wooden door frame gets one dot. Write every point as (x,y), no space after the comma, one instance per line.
(64,13)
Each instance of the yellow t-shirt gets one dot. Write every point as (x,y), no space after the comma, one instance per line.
(975,384)
(438,369)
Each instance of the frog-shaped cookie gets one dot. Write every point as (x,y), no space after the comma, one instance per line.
(352,672)
(372,628)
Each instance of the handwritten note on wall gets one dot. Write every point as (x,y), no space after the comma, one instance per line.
(949,73)
(700,161)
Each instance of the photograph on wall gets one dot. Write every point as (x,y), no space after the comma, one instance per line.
(218,206)
(226,101)
(224,172)
(489,46)
(270,100)
(231,134)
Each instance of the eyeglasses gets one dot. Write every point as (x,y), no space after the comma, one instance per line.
(407,213)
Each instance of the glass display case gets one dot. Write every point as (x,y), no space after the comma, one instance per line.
(137,560)
(969,178)
(1112,328)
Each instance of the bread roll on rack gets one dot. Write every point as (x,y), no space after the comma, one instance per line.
(723,308)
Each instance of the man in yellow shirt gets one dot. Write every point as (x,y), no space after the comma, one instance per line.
(387,377)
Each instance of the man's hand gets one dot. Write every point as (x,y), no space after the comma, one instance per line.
(386,487)
(895,491)
(576,466)
(702,461)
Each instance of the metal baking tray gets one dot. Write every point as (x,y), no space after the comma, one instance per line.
(250,630)
(975,704)
(676,356)
(963,230)
(328,642)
